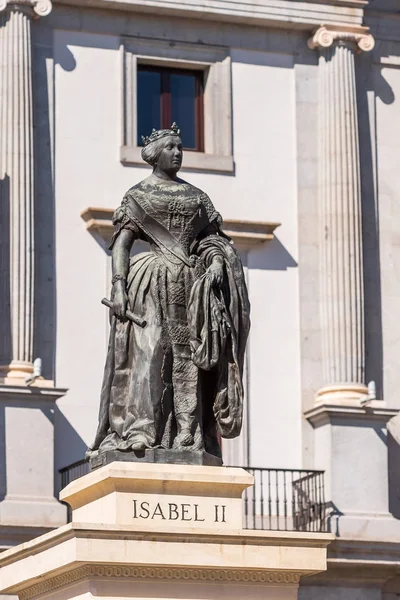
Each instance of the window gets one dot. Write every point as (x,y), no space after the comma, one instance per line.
(165,81)
(167,95)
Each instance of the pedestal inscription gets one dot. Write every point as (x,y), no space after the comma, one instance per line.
(164,511)
(182,511)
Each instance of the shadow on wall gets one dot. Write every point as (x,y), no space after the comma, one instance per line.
(3,465)
(44,224)
(371,84)
(273,256)
(68,445)
(382,89)
(5,321)
(393,448)
(66,59)
(333,518)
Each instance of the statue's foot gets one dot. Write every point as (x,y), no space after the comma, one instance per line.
(138,446)
(183,440)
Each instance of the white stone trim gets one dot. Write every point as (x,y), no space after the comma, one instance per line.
(216,63)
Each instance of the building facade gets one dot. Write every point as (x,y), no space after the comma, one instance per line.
(290,116)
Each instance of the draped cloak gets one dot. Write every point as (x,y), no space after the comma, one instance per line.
(186,365)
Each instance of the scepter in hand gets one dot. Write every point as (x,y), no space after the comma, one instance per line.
(129,315)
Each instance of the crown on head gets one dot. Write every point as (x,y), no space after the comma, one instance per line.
(157,134)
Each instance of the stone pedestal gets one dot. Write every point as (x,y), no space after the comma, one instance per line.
(163,532)
(27,503)
(351,445)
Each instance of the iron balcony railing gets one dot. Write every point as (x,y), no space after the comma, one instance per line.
(279,500)
(74,471)
(285,500)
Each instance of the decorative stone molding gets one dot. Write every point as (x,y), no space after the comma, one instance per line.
(246,234)
(175,574)
(41,8)
(326,36)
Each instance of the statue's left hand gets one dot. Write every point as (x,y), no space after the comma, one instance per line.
(216,273)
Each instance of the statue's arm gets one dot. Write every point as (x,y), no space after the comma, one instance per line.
(120,266)
(213,257)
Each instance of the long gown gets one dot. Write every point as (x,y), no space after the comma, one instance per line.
(175,382)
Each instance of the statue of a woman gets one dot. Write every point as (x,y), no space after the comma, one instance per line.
(177,381)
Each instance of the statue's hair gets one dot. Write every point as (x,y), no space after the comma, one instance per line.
(151,152)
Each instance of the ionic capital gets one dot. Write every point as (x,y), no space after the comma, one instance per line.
(326,36)
(39,8)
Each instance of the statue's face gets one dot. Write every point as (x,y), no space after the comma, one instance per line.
(170,159)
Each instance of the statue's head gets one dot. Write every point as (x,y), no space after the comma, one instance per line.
(163,149)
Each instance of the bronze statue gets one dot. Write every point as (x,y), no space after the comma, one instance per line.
(173,374)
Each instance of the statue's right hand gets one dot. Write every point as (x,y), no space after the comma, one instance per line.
(120,302)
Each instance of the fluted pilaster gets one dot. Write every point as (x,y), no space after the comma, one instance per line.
(17,168)
(341,273)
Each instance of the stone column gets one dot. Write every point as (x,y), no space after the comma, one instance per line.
(350,441)
(27,503)
(17,169)
(342,290)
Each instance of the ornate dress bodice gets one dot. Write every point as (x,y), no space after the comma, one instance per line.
(178,207)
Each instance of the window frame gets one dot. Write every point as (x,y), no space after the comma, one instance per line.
(165,99)
(215,64)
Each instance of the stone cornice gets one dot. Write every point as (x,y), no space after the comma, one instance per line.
(245,234)
(40,8)
(293,14)
(327,35)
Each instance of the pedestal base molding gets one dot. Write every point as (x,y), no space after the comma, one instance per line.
(343,393)
(159,573)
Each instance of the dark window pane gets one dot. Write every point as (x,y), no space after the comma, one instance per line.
(148,102)
(183,97)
